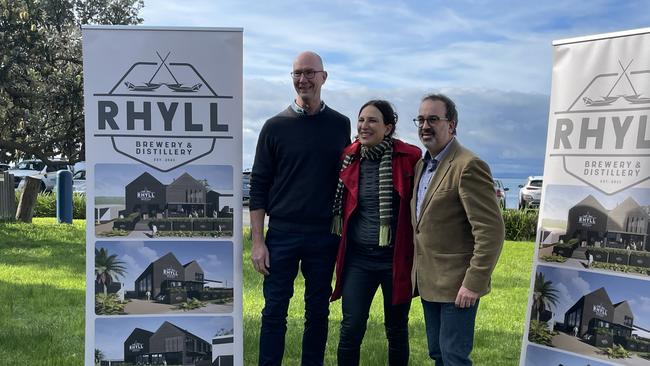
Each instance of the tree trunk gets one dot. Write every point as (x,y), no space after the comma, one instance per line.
(28,199)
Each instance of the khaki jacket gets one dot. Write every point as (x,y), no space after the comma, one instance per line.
(459,234)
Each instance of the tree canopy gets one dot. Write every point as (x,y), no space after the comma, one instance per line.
(41,81)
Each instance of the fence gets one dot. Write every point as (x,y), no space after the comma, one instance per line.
(7,197)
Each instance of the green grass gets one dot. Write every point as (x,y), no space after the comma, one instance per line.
(42,287)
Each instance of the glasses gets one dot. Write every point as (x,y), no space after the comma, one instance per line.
(309,74)
(419,121)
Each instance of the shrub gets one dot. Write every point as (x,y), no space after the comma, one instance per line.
(554,258)
(617,352)
(108,304)
(46,205)
(520,225)
(190,304)
(540,334)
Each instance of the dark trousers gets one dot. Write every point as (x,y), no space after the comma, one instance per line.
(359,287)
(314,254)
(450,332)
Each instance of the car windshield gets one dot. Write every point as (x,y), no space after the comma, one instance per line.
(30,165)
(535,183)
(80,175)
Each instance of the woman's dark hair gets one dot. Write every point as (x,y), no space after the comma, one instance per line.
(387,112)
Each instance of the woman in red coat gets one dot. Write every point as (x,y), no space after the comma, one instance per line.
(371,213)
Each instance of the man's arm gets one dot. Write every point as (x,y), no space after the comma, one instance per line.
(476,191)
(259,252)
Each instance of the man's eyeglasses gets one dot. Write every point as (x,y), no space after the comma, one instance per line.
(419,121)
(309,74)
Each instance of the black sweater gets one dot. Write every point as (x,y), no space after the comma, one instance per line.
(296,169)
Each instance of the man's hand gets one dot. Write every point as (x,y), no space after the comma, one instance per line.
(260,257)
(466,298)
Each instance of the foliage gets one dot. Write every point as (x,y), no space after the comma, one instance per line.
(617,352)
(621,268)
(554,258)
(545,295)
(520,224)
(46,205)
(539,333)
(191,304)
(99,356)
(41,82)
(107,268)
(189,234)
(108,304)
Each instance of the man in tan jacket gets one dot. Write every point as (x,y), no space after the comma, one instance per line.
(458,233)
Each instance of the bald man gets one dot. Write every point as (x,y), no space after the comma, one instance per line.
(293,180)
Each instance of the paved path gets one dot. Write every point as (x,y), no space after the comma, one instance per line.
(137,306)
(573,344)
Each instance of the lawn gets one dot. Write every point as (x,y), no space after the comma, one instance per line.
(42,290)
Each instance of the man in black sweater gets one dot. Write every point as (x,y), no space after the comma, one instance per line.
(293,181)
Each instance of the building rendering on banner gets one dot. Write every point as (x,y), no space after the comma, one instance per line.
(169,345)
(222,348)
(626,226)
(602,323)
(184,197)
(167,280)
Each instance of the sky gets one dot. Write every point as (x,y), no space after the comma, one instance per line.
(110,179)
(572,285)
(494,58)
(215,258)
(559,199)
(110,333)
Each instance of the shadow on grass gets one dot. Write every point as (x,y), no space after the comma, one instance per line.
(41,320)
(47,245)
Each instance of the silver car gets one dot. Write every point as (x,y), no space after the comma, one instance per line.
(530,194)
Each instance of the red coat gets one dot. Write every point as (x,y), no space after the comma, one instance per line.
(404,158)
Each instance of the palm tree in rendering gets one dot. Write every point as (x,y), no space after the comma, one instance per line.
(107,268)
(544,295)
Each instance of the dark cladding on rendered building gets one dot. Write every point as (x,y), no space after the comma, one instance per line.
(185,196)
(166,280)
(626,226)
(602,323)
(169,345)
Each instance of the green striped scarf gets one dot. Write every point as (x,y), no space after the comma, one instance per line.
(383,151)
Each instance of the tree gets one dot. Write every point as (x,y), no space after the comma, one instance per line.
(107,268)
(41,83)
(544,295)
(99,356)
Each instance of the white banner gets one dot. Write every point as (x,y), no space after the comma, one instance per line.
(163,113)
(589,301)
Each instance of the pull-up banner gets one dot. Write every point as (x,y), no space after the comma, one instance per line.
(589,301)
(163,113)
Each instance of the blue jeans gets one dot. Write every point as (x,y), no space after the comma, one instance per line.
(450,332)
(314,254)
(359,287)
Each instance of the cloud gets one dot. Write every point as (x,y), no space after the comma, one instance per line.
(149,254)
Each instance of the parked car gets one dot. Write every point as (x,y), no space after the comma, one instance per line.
(37,169)
(4,167)
(500,191)
(79,181)
(530,193)
(246,186)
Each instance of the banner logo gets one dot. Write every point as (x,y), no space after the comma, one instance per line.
(161,113)
(587,220)
(136,347)
(603,137)
(146,195)
(170,273)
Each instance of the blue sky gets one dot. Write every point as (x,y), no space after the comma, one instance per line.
(215,258)
(110,333)
(493,57)
(572,285)
(538,356)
